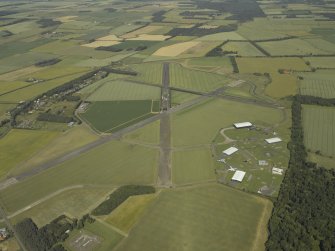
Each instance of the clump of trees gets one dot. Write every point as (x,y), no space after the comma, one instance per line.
(158,16)
(53,118)
(303,217)
(48,62)
(119,196)
(47,22)
(197,31)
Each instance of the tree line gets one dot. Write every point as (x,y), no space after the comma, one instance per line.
(119,196)
(303,217)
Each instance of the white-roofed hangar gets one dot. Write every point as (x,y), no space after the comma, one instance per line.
(273,140)
(242,125)
(230,151)
(238,176)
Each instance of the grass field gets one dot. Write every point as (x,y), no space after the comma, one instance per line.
(149,73)
(243,49)
(200,124)
(210,217)
(318,88)
(109,238)
(192,166)
(20,145)
(210,63)
(321,62)
(125,90)
(113,115)
(282,84)
(109,164)
(319,130)
(11,86)
(129,212)
(74,203)
(63,143)
(148,134)
(182,77)
(181,97)
(290,47)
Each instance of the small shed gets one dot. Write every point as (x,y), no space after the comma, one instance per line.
(238,176)
(273,140)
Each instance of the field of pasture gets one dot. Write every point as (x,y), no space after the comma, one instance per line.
(186,212)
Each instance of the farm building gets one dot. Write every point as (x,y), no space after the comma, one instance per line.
(238,176)
(242,125)
(230,151)
(273,140)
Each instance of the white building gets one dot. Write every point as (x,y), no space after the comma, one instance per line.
(278,171)
(238,176)
(242,125)
(273,140)
(230,151)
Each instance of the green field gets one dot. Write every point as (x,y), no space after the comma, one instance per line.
(192,166)
(210,217)
(243,49)
(291,47)
(125,90)
(107,116)
(319,130)
(20,145)
(112,164)
(178,97)
(149,73)
(74,203)
(148,134)
(200,124)
(65,142)
(130,212)
(318,88)
(182,77)
(281,84)
(321,62)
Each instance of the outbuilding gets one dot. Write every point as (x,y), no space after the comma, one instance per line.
(238,176)
(242,125)
(273,140)
(230,151)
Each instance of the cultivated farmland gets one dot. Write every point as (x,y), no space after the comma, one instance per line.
(319,129)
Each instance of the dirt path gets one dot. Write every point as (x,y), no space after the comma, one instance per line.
(43,199)
(227,139)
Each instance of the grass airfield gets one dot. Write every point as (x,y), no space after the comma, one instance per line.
(223,67)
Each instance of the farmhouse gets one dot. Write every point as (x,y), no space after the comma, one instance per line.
(238,176)
(273,140)
(242,125)
(230,151)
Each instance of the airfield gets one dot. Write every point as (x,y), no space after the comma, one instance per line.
(98,95)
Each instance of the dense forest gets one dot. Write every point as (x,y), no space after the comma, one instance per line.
(303,217)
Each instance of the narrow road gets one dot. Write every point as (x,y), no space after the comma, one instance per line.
(164,167)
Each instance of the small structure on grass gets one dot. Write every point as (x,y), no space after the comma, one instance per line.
(238,176)
(230,151)
(277,171)
(242,125)
(262,163)
(273,140)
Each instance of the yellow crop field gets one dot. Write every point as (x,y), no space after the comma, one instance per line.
(148,37)
(175,49)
